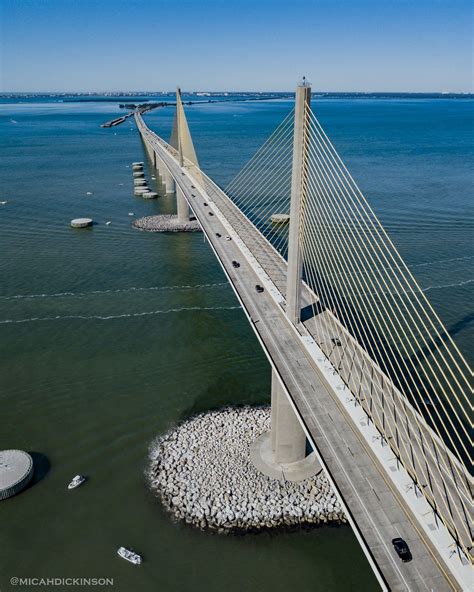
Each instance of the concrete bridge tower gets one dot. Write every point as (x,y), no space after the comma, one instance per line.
(182,142)
(281,453)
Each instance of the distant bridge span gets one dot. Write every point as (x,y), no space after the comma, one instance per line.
(318,368)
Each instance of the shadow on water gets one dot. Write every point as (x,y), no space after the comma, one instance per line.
(311,310)
(219,395)
(42,467)
(461,325)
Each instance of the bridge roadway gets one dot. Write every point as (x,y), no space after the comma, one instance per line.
(374,507)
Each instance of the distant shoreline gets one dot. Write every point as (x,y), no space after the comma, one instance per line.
(206,98)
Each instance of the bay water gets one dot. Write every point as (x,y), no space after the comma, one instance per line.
(110,336)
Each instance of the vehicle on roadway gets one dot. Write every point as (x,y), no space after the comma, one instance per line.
(402,549)
(192,187)
(218,234)
(211,213)
(259,288)
(228,238)
(204,204)
(235,264)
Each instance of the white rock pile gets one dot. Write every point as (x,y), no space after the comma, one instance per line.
(165,223)
(202,472)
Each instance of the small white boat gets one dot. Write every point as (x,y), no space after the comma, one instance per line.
(107,223)
(78,480)
(131,213)
(129,555)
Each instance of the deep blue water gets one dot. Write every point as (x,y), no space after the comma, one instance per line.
(88,379)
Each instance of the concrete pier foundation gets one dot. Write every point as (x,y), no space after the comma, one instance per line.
(169,182)
(159,166)
(287,436)
(182,206)
(281,452)
(149,150)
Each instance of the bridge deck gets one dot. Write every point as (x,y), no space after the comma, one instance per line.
(379,398)
(376,510)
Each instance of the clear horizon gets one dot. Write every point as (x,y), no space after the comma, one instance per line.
(58,46)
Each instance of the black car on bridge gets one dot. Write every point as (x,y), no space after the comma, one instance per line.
(402,549)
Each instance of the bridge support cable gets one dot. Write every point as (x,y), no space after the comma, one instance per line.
(376,290)
(273,191)
(399,271)
(288,440)
(387,287)
(262,188)
(363,297)
(373,388)
(278,137)
(365,311)
(371,393)
(378,411)
(274,197)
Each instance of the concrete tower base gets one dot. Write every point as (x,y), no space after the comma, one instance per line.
(263,459)
(281,452)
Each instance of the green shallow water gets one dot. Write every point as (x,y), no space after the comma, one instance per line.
(109,336)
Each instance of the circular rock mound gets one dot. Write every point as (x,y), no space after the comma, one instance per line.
(201,471)
(81,222)
(166,223)
(16,471)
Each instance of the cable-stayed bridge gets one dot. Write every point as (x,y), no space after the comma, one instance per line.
(362,366)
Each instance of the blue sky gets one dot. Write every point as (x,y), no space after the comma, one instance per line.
(340,45)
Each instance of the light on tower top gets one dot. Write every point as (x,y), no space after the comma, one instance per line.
(305,82)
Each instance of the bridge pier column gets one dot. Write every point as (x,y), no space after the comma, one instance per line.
(168,179)
(287,436)
(182,206)
(160,166)
(149,150)
(281,452)
(298,189)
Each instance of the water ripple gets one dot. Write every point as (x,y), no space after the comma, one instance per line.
(120,316)
(465,282)
(112,291)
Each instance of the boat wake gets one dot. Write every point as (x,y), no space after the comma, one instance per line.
(467,257)
(117,291)
(120,316)
(440,287)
